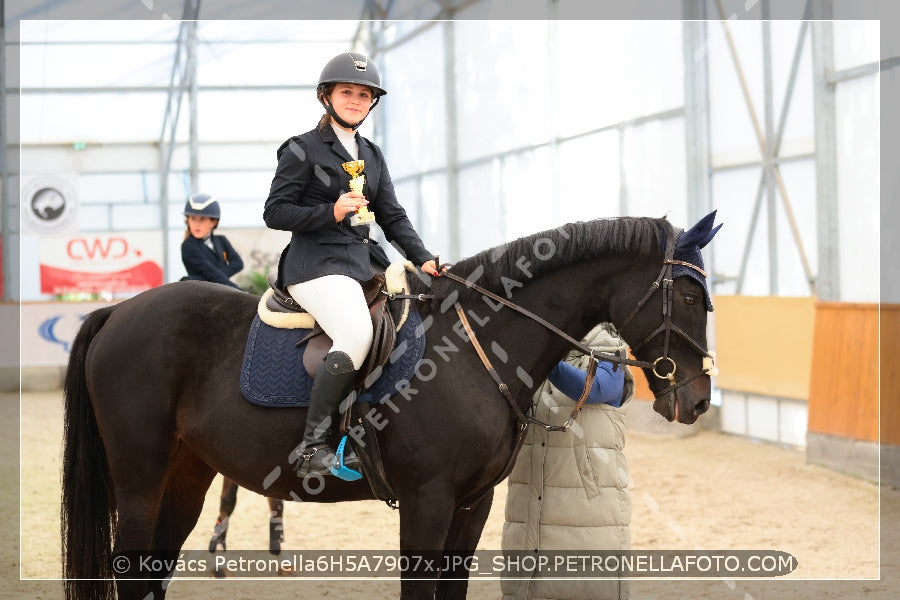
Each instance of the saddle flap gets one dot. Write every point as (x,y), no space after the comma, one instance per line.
(317,347)
(365,441)
(382,341)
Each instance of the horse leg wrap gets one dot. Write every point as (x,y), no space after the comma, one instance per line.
(218,536)
(276,534)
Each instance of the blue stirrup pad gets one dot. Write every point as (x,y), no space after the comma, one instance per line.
(339,470)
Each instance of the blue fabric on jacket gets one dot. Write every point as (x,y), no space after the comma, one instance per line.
(606,389)
(211,265)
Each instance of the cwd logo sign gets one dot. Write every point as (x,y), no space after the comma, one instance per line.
(112,263)
(91,248)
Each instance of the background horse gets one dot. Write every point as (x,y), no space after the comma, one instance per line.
(227,503)
(151,416)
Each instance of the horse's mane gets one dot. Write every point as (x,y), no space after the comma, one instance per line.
(552,249)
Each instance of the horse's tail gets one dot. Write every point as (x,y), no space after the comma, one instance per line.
(87,514)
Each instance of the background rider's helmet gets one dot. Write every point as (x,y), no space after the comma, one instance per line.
(352,67)
(202,205)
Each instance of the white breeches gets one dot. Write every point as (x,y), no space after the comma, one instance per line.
(339,307)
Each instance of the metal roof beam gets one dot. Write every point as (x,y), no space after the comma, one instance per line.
(4,169)
(158,89)
(825,113)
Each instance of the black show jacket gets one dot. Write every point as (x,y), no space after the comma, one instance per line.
(211,265)
(307,182)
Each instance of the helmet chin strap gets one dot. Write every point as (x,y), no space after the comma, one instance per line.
(331,112)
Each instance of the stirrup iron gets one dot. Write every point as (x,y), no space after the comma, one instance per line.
(339,470)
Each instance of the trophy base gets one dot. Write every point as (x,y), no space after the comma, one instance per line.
(362,219)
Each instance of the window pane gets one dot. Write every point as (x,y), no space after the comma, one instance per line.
(502,85)
(414,108)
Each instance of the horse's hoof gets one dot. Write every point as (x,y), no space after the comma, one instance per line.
(217,542)
(218,536)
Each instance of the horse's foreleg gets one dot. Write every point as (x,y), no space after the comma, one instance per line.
(462,539)
(425,517)
(227,502)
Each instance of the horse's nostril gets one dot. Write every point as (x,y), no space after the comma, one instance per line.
(701,407)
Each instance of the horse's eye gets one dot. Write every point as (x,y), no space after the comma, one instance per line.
(690,299)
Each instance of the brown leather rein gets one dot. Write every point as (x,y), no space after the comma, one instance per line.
(664,280)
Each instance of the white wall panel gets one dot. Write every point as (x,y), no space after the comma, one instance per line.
(856,43)
(591,191)
(654,160)
(502,86)
(431,221)
(762,418)
(615,71)
(731,132)
(800,182)
(414,138)
(792,419)
(858,182)
(733,412)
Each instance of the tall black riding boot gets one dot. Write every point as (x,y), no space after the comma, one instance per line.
(331,385)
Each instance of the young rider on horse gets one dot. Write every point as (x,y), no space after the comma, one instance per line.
(205,255)
(328,256)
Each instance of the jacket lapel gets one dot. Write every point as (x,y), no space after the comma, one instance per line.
(371,170)
(329,137)
(217,246)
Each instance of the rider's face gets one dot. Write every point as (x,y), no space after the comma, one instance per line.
(351,101)
(201,226)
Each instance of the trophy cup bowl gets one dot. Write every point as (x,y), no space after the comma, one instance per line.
(354,168)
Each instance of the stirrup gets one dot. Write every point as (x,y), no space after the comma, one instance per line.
(339,470)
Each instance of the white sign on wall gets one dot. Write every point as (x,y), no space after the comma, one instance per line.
(48,330)
(101,263)
(49,203)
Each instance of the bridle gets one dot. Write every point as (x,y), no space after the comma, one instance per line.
(667,327)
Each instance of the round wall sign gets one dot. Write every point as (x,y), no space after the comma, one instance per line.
(48,204)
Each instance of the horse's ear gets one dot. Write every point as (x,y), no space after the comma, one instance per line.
(700,234)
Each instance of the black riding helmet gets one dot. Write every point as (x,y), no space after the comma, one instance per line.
(349,67)
(202,205)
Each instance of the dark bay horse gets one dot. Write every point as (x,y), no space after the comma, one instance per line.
(153,408)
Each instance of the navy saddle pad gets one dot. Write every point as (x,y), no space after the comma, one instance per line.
(272,373)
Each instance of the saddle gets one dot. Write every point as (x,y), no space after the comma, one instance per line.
(318,342)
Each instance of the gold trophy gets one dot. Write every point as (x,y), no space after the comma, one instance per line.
(357,180)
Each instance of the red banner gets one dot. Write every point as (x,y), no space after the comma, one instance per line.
(123,262)
(135,279)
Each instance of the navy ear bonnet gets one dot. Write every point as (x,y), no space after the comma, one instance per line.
(687,248)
